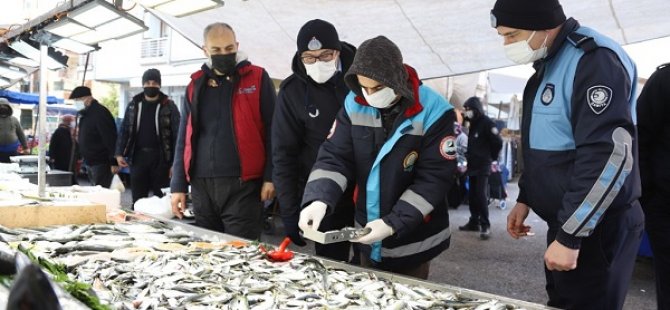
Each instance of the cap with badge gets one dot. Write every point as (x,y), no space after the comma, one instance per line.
(318,34)
(527,14)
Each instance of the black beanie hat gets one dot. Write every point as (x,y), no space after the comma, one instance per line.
(80,91)
(527,14)
(318,34)
(379,59)
(151,75)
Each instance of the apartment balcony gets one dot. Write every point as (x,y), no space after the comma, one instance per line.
(154,51)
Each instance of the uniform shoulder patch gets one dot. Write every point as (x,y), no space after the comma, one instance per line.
(599,98)
(448,147)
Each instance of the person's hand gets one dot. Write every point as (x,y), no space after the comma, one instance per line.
(560,258)
(121,161)
(515,219)
(25,151)
(311,215)
(267,191)
(115,169)
(178,204)
(379,231)
(292,231)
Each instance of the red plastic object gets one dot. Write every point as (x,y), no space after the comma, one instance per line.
(281,254)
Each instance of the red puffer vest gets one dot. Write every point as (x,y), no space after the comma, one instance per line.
(247,120)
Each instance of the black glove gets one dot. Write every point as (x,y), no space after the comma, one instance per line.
(292,231)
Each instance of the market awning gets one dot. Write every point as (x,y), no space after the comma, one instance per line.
(26,98)
(439,38)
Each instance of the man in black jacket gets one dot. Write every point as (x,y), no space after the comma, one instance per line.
(97,136)
(484,144)
(147,138)
(307,104)
(653,109)
(60,144)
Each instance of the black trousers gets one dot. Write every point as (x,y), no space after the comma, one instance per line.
(228,205)
(4,156)
(604,267)
(100,174)
(657,217)
(478,200)
(148,172)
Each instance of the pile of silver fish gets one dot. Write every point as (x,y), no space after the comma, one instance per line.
(150,265)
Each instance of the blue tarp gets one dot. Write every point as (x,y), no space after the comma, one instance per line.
(26,98)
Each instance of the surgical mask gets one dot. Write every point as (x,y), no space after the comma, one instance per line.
(321,71)
(79,104)
(151,91)
(469,114)
(381,99)
(521,52)
(224,63)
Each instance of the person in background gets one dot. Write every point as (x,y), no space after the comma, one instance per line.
(11,133)
(307,104)
(60,144)
(579,152)
(484,144)
(223,147)
(96,137)
(653,110)
(394,140)
(148,137)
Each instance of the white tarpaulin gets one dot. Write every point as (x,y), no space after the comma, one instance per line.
(439,38)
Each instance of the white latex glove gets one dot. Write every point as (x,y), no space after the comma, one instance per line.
(378,232)
(313,213)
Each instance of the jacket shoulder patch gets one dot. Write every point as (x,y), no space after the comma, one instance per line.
(599,98)
(448,147)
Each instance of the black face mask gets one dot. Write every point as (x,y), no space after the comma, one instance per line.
(224,63)
(5,111)
(151,91)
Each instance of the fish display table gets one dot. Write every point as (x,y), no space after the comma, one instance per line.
(44,214)
(170,265)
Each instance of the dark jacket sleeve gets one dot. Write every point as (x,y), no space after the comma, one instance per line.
(19,133)
(433,172)
(603,158)
(652,107)
(123,133)
(268,97)
(287,134)
(178,183)
(175,119)
(334,168)
(107,129)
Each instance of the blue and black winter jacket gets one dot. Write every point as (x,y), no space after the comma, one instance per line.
(400,177)
(579,138)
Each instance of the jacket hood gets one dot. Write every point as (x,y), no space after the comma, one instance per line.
(380,59)
(346,58)
(474,103)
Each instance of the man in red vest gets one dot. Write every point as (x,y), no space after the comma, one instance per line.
(223,146)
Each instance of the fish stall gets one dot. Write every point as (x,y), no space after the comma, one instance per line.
(165,264)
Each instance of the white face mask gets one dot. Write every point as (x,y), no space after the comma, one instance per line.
(521,52)
(321,71)
(469,114)
(79,104)
(381,99)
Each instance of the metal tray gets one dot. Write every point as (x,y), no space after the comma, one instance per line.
(381,274)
